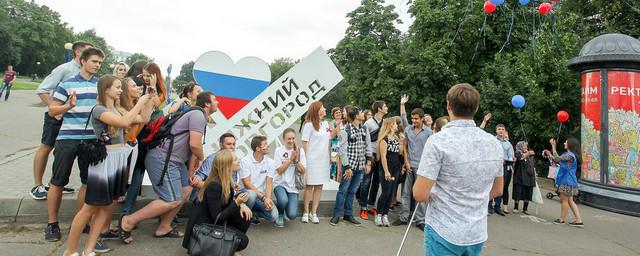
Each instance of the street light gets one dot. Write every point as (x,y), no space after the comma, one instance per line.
(68,47)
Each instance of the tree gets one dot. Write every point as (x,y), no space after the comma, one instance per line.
(137,57)
(32,34)
(280,66)
(185,76)
(369,55)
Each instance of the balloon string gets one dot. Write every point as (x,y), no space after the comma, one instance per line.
(508,40)
(559,129)
(524,134)
(484,23)
(555,33)
(466,14)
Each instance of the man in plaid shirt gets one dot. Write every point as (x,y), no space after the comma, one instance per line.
(356,150)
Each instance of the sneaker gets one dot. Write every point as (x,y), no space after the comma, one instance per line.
(378,220)
(385,220)
(364,215)
(280,221)
(334,221)
(499,212)
(373,211)
(89,254)
(399,222)
(515,211)
(558,221)
(52,232)
(109,234)
(255,220)
(38,193)
(491,211)
(351,220)
(305,218)
(526,213)
(101,247)
(577,224)
(314,219)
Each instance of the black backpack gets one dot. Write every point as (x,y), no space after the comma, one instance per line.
(374,135)
(159,130)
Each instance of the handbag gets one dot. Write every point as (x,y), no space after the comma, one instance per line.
(212,239)
(94,151)
(300,180)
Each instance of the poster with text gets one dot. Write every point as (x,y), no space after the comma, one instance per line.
(590,128)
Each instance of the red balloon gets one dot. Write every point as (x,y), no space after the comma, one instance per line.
(563,116)
(489,7)
(545,8)
(555,1)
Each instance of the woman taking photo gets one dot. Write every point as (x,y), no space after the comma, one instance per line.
(388,152)
(153,78)
(217,200)
(187,98)
(106,181)
(524,176)
(566,180)
(316,135)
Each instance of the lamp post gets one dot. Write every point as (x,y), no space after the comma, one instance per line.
(68,47)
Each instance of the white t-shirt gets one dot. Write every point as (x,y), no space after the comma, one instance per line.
(258,171)
(463,160)
(288,178)
(317,153)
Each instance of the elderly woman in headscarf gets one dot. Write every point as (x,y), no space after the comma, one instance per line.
(524,177)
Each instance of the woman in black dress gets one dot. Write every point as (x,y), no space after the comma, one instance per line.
(524,176)
(217,198)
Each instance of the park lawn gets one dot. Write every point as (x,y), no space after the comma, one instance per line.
(23,86)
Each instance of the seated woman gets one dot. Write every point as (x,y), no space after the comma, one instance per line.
(217,198)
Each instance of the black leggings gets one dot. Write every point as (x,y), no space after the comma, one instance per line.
(384,202)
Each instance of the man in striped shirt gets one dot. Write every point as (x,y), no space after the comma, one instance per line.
(73,99)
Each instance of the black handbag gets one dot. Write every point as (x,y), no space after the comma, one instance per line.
(94,151)
(212,239)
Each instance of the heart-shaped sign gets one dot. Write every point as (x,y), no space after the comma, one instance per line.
(234,84)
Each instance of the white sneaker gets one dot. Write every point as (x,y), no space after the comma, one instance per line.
(314,219)
(385,220)
(378,220)
(305,218)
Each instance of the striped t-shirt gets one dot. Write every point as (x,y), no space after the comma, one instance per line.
(75,119)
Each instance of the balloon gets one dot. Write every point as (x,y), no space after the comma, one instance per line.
(523,2)
(489,7)
(545,8)
(497,2)
(563,116)
(518,101)
(555,1)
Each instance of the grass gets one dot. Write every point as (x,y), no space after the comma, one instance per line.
(23,86)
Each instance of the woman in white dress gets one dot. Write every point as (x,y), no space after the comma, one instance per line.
(316,135)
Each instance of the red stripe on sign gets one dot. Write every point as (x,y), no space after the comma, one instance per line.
(230,106)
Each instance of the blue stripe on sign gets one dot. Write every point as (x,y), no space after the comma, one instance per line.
(230,86)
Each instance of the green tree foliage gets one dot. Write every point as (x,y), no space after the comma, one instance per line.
(280,66)
(30,33)
(137,57)
(91,36)
(185,76)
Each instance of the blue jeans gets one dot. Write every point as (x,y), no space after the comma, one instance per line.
(6,86)
(260,210)
(434,244)
(369,187)
(346,193)
(286,202)
(133,190)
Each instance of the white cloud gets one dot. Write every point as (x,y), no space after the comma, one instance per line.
(175,32)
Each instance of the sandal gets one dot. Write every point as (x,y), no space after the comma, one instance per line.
(171,234)
(125,236)
(558,221)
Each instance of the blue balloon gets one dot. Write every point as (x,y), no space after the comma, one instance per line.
(497,2)
(523,2)
(518,101)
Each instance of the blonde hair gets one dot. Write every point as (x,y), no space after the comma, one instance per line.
(385,131)
(221,172)
(115,68)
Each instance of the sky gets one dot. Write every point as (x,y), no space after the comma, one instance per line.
(176,32)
